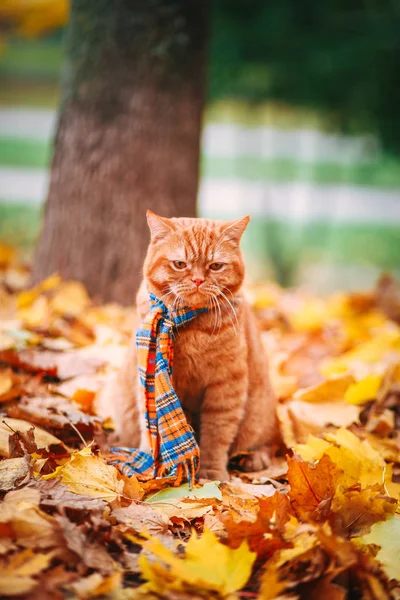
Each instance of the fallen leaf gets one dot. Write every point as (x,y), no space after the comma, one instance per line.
(88,474)
(92,553)
(140,518)
(331,390)
(85,399)
(42,438)
(6,383)
(70,298)
(363,390)
(17,576)
(32,527)
(309,486)
(36,315)
(208,490)
(13,473)
(27,297)
(300,419)
(95,585)
(386,535)
(208,565)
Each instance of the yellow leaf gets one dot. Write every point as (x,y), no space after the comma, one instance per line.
(96,585)
(208,565)
(300,419)
(71,298)
(384,347)
(313,450)
(16,576)
(36,313)
(28,562)
(330,390)
(360,463)
(34,17)
(7,254)
(27,297)
(311,315)
(88,474)
(387,536)
(363,390)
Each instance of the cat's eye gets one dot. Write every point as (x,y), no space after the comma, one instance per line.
(216,266)
(179,264)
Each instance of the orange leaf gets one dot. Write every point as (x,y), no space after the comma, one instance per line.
(309,486)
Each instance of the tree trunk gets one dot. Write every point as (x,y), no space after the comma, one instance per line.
(128,138)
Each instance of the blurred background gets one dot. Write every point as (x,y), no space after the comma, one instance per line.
(301,129)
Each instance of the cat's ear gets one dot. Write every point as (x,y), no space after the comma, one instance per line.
(159,227)
(235,229)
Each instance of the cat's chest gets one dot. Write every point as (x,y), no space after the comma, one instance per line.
(194,353)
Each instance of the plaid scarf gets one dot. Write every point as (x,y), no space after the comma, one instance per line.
(174,451)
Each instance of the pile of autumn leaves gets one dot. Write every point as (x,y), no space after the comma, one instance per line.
(321,522)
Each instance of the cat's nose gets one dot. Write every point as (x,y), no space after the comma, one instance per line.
(198,281)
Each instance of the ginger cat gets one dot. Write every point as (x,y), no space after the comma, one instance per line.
(220,372)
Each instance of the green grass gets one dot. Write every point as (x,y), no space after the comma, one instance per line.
(19,224)
(383,174)
(24,153)
(23,58)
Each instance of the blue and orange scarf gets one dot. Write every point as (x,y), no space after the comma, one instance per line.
(174,451)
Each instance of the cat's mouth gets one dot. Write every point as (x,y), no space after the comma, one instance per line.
(194,296)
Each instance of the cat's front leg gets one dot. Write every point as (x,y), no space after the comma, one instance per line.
(221,414)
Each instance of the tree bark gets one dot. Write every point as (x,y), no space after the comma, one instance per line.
(128,138)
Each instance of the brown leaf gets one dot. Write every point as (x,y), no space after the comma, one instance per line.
(323,588)
(42,438)
(55,495)
(92,553)
(22,443)
(25,361)
(141,517)
(32,527)
(14,472)
(57,414)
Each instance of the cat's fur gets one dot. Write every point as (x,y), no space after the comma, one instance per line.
(220,370)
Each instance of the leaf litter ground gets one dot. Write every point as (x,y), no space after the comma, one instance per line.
(322,521)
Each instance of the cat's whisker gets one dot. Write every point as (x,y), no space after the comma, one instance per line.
(230,308)
(214,304)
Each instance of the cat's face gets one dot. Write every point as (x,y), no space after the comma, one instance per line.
(194,262)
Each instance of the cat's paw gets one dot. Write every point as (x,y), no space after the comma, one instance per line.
(257,460)
(212,474)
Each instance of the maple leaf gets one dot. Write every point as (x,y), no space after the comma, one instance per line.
(355,510)
(88,474)
(208,565)
(309,485)
(356,458)
(263,531)
(386,535)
